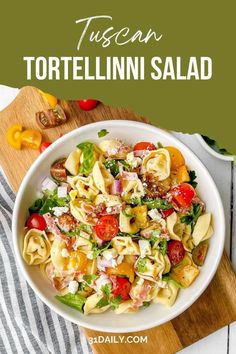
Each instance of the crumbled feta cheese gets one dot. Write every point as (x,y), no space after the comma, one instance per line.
(58,211)
(145,248)
(133,161)
(109,209)
(65,253)
(73,286)
(155,215)
(62,192)
(119,259)
(109,254)
(103,263)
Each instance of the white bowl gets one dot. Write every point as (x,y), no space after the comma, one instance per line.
(212,151)
(154,315)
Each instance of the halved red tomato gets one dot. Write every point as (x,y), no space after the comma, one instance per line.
(107,227)
(175,251)
(144,145)
(120,287)
(183,194)
(31,138)
(36,221)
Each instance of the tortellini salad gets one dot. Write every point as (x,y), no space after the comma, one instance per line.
(118,227)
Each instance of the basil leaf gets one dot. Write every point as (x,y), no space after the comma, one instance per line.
(113,167)
(89,278)
(102,302)
(36,206)
(146,304)
(106,289)
(102,133)
(159,145)
(125,165)
(156,203)
(73,300)
(192,217)
(115,302)
(96,250)
(87,149)
(51,200)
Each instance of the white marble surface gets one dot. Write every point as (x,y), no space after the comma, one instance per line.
(224,174)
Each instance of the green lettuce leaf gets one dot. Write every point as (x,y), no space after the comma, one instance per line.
(73,300)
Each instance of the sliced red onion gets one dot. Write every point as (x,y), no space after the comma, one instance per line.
(129,176)
(116,187)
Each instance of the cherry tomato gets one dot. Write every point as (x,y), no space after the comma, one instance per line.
(176,157)
(121,287)
(36,221)
(144,145)
(31,138)
(167,212)
(58,170)
(14,136)
(175,251)
(87,105)
(107,227)
(44,146)
(183,194)
(125,269)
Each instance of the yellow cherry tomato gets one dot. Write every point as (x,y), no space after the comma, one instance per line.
(31,138)
(77,261)
(14,136)
(182,174)
(52,100)
(123,269)
(176,157)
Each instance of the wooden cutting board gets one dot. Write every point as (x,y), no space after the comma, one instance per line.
(213,310)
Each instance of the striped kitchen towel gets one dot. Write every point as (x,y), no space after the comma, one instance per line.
(27,325)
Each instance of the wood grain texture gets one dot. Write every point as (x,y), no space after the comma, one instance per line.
(213,310)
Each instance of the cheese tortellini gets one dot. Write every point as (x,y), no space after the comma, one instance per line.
(102,177)
(125,246)
(158,163)
(132,189)
(36,247)
(203,229)
(73,161)
(166,296)
(85,187)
